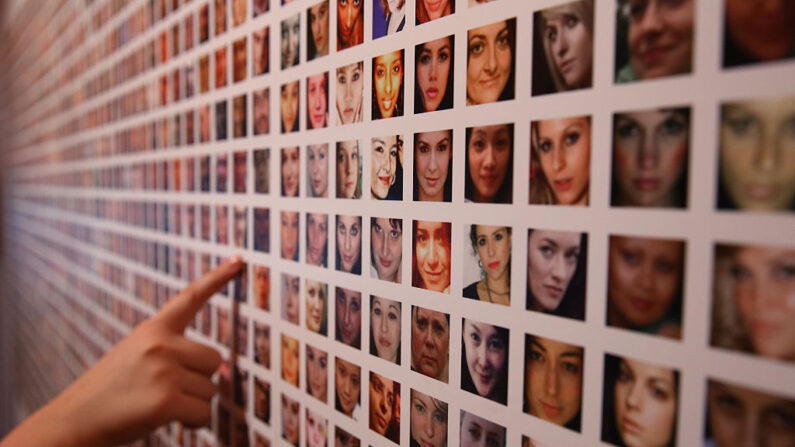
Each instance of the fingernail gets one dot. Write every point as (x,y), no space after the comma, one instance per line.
(235,261)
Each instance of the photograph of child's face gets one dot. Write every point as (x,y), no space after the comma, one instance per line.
(430,343)
(350,23)
(317,170)
(318,30)
(290,41)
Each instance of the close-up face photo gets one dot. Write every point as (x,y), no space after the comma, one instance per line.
(349,244)
(556,272)
(430,343)
(433,159)
(563,48)
(317,239)
(553,381)
(290,360)
(348,316)
(385,318)
(350,23)
(316,306)
(289,235)
(349,92)
(317,101)
(384,414)
(317,170)
(433,62)
(349,170)
(484,360)
(318,30)
(290,97)
(428,420)
(428,10)
(490,62)
(316,429)
(431,255)
(386,248)
(757,32)
(491,253)
(386,167)
(291,420)
(476,431)
(291,285)
(388,85)
(560,161)
(489,164)
(291,172)
(262,111)
(290,41)
(260,51)
(347,387)
(317,373)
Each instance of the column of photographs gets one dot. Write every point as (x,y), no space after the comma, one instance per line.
(651,306)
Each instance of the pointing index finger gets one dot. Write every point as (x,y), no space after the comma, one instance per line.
(179,311)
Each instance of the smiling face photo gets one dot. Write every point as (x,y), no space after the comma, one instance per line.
(431,255)
(491,54)
(388,85)
(387,167)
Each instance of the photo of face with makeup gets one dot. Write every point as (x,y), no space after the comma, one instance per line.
(291,420)
(556,272)
(318,36)
(428,420)
(385,407)
(428,10)
(291,171)
(349,92)
(317,101)
(430,343)
(290,97)
(289,235)
(431,255)
(433,166)
(348,317)
(386,177)
(484,360)
(349,244)
(262,111)
(386,249)
(350,23)
(262,229)
(262,344)
(291,285)
(387,90)
(349,170)
(476,431)
(317,239)
(347,388)
(291,363)
(317,373)
(560,161)
(433,81)
(316,293)
(239,12)
(553,372)
(488,264)
(491,66)
(317,170)
(489,162)
(385,318)
(260,51)
(290,42)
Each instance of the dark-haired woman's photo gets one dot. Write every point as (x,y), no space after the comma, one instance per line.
(290,96)
(291,41)
(431,257)
(553,373)
(484,360)
(491,62)
(491,248)
(318,37)
(386,176)
(476,431)
(349,244)
(428,420)
(388,75)
(433,166)
(556,272)
(350,23)
(348,316)
(560,161)
(385,318)
(433,80)
(386,249)
(385,407)
(758,32)
(428,10)
(489,164)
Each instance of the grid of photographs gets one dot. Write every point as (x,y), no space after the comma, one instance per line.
(637,155)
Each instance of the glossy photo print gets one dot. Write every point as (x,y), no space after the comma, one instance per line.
(347,388)
(433,80)
(291,420)
(563,43)
(385,328)
(386,176)
(316,299)
(290,291)
(428,418)
(487,270)
(560,161)
(291,363)
(489,164)
(430,343)
(317,428)
(318,34)
(388,80)
(484,360)
(349,170)
(431,255)
(389,17)
(290,223)
(386,249)
(290,98)
(491,62)
(317,373)
(384,414)
(350,92)
(433,166)
(317,167)
(556,272)
(260,51)
(350,23)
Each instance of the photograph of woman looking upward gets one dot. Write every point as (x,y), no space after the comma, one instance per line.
(492,249)
(491,56)
(317,42)
(563,47)
(560,161)
(556,272)
(433,166)
(433,80)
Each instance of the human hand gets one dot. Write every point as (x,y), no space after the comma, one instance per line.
(153,376)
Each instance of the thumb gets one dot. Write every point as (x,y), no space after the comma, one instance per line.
(180,310)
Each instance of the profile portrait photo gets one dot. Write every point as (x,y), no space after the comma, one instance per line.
(484,360)
(430,343)
(477,431)
(431,255)
(349,170)
(350,23)
(757,155)
(385,328)
(290,171)
(317,239)
(386,176)
(262,171)
(491,62)
(563,47)
(290,224)
(317,101)
(556,272)
(290,291)
(428,10)
(645,285)
(317,373)
(433,75)
(347,388)
(560,161)
(350,93)
(757,32)
(653,42)
(433,166)
(651,150)
(260,51)
(386,249)
(290,98)
(752,290)
(318,37)
(489,164)
(290,42)
(389,17)
(262,111)
(387,92)
(553,378)
(487,264)
(348,317)
(316,295)
(317,170)
(291,362)
(428,418)
(384,414)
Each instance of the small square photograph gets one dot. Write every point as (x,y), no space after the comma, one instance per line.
(491,62)
(291,37)
(431,255)
(204,74)
(262,287)
(220,67)
(655,42)
(291,285)
(317,170)
(205,223)
(317,239)
(385,318)
(290,360)
(317,101)
(262,111)
(475,430)
(433,75)
(348,317)
(349,244)
(484,367)
(488,176)
(560,161)
(736,414)
(350,24)
(204,23)
(385,407)
(349,170)
(752,308)
(428,420)
(428,10)
(755,32)
(190,212)
(262,229)
(223,327)
(316,429)
(487,264)
(290,224)
(221,172)
(430,343)
(261,7)
(627,417)
(651,151)
(240,226)
(239,59)
(645,285)
(563,47)
(262,401)
(222,224)
(553,373)
(556,272)
(348,389)
(262,344)
(291,419)
(389,17)
(260,51)
(239,119)
(189,72)
(239,13)
(344,439)
(386,177)
(241,335)
(220,17)
(262,171)
(317,374)
(240,168)
(291,171)
(204,124)
(316,306)
(387,93)
(756,160)
(433,166)
(350,91)
(190,135)
(317,32)
(220,121)
(290,97)
(386,249)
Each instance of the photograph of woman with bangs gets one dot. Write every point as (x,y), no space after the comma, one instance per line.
(350,23)
(645,284)
(385,318)
(560,161)
(386,249)
(433,166)
(317,42)
(385,407)
(386,177)
(757,32)
(433,80)
(556,272)
(389,17)
(563,47)
(317,239)
(317,101)
(484,360)
(349,170)
(431,257)
(428,420)
(428,10)
(316,306)
(489,162)
(491,259)
(757,155)
(640,403)
(350,93)
(752,308)
(553,373)
(491,62)
(650,158)
(387,93)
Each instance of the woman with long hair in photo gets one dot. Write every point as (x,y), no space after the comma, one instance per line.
(560,161)
(428,421)
(316,306)
(484,360)
(394,16)
(318,30)
(347,388)
(317,169)
(388,75)
(491,56)
(489,162)
(428,10)
(349,170)
(386,253)
(386,175)
(289,235)
(492,246)
(350,92)
(476,431)
(556,272)
(385,407)
(316,239)
(348,316)
(291,173)
(433,166)
(317,101)
(385,318)
(350,23)
(317,373)
(433,80)
(289,105)
(349,244)
(431,260)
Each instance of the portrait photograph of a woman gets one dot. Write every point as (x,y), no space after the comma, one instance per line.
(349,93)
(348,317)
(317,239)
(489,164)
(553,376)
(350,23)
(317,101)
(433,166)
(560,161)
(291,363)
(386,176)
(349,170)
(318,37)
(389,17)
(349,244)
(290,289)
(430,343)
(556,272)
(290,224)
(290,97)
(291,172)
(491,62)
(260,51)
(489,262)
(384,414)
(290,42)
(317,170)
(433,70)
(316,306)
(428,418)
(428,10)
(385,318)
(431,255)
(347,388)
(484,360)
(388,75)
(317,373)
(316,429)
(291,420)
(757,32)
(476,431)
(386,249)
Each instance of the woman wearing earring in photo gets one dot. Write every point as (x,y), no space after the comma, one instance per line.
(433,80)
(428,421)
(317,42)
(563,49)
(492,246)
(316,373)
(489,162)
(385,407)
(290,97)
(350,23)
(317,169)
(650,158)
(317,101)
(386,176)
(349,244)
(290,171)
(316,239)
(556,272)
(387,101)
(553,381)
(431,260)
(316,306)
(350,92)
(348,317)
(433,166)
(428,10)
(291,36)
(484,360)
(560,161)
(639,404)
(385,318)
(349,170)
(392,17)
(347,388)
(491,56)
